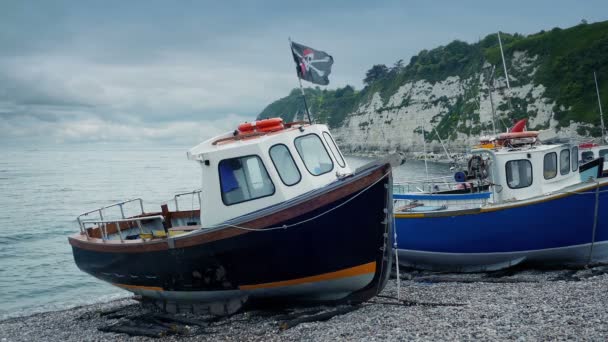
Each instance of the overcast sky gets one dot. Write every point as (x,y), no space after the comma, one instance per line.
(177,72)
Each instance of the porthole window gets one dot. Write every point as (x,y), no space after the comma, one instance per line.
(334,149)
(550,165)
(564,162)
(244,179)
(313,154)
(285,165)
(574,158)
(519,173)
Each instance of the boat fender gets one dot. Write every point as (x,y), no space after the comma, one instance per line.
(460,177)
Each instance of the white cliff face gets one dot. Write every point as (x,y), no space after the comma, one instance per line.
(460,108)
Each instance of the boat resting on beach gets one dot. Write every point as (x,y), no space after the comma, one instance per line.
(541,209)
(276,224)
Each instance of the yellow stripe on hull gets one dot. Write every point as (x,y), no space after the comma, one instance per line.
(139,287)
(348,272)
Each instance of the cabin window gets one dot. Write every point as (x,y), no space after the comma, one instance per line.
(587,156)
(575,158)
(285,165)
(313,154)
(564,162)
(334,149)
(604,154)
(550,165)
(519,173)
(243,179)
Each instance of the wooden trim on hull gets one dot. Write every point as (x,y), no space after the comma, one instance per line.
(350,186)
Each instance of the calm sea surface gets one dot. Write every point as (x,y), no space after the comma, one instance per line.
(42,192)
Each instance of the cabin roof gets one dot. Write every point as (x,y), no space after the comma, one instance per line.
(530,149)
(230,141)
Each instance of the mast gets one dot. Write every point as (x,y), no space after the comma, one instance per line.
(442,145)
(424,147)
(599,102)
(504,64)
(491,88)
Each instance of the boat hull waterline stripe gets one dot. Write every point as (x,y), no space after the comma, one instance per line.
(345,273)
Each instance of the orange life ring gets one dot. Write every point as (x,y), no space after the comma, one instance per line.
(266,125)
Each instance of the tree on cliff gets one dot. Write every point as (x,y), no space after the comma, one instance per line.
(377,72)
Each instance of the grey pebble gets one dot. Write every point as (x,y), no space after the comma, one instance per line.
(541,306)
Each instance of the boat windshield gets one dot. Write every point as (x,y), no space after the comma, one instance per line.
(313,153)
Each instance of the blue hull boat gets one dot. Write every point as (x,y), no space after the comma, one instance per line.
(551,231)
(535,213)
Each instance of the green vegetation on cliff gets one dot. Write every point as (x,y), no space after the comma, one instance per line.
(563,60)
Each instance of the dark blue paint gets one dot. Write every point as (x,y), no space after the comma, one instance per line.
(561,222)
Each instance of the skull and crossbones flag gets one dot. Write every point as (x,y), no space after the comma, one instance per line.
(312,65)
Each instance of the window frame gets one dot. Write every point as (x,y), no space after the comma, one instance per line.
(545,165)
(304,162)
(333,142)
(531,174)
(574,158)
(561,169)
(292,159)
(587,153)
(274,188)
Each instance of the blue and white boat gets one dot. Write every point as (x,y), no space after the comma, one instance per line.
(541,209)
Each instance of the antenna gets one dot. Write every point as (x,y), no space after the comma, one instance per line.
(599,102)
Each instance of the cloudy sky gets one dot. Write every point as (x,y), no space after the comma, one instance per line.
(176,72)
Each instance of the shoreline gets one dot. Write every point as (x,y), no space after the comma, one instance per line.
(527,304)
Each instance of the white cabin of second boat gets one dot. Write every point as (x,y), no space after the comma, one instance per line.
(519,174)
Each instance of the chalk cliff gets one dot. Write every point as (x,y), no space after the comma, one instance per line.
(446,92)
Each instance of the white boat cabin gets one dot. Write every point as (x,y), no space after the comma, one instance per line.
(262,164)
(527,172)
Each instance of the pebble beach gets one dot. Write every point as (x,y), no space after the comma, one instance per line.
(522,305)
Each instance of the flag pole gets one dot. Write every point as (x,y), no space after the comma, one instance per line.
(304,98)
(301,88)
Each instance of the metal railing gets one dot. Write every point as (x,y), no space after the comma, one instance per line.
(100,212)
(435,185)
(197,192)
(103,222)
(429,185)
(103,225)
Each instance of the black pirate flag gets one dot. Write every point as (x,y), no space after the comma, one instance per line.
(312,65)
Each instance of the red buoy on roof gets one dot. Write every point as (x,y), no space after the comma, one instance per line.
(588,145)
(265,125)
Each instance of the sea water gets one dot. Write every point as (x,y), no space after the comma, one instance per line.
(42,190)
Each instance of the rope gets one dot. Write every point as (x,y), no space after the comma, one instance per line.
(597,202)
(285,226)
(396,258)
